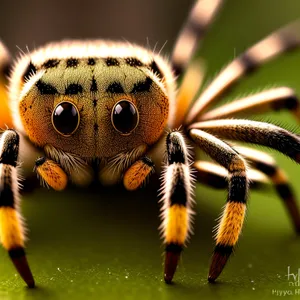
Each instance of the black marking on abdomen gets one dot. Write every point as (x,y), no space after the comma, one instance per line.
(45,88)
(155,69)
(91,62)
(72,63)
(95,102)
(142,86)
(73,89)
(51,63)
(94,87)
(115,88)
(133,62)
(30,70)
(110,61)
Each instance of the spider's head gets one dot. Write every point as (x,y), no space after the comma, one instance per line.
(91,106)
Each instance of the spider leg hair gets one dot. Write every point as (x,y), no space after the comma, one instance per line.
(232,220)
(267,165)
(274,99)
(138,173)
(11,223)
(193,31)
(215,176)
(177,185)
(254,132)
(282,40)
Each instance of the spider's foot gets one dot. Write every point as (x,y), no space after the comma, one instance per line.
(19,260)
(171,262)
(219,260)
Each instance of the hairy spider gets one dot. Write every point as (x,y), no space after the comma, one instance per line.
(102,108)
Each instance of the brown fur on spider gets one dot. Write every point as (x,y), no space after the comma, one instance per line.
(84,101)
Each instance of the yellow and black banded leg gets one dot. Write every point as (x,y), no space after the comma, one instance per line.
(274,99)
(215,176)
(11,226)
(266,164)
(260,133)
(232,220)
(138,173)
(177,202)
(51,174)
(282,40)
(193,32)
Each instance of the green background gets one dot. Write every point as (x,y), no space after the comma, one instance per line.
(104,243)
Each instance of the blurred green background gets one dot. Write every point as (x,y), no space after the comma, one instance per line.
(104,243)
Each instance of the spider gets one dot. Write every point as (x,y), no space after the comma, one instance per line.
(103,108)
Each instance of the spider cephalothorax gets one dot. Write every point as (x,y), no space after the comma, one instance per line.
(102,108)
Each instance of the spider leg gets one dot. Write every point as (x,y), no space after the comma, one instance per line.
(191,83)
(193,32)
(138,173)
(273,99)
(5,64)
(177,201)
(11,225)
(266,164)
(280,41)
(215,176)
(260,133)
(232,220)
(51,174)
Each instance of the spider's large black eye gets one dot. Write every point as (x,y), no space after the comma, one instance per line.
(65,118)
(124,117)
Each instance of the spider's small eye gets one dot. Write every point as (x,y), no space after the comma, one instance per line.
(124,117)
(65,118)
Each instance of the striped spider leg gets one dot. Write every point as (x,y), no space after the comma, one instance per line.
(267,165)
(258,133)
(12,229)
(206,130)
(177,201)
(279,42)
(51,174)
(11,223)
(214,175)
